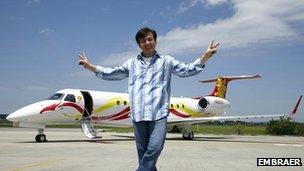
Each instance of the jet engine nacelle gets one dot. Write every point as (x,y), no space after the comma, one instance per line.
(211,104)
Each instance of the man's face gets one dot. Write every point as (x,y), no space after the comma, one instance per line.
(147,45)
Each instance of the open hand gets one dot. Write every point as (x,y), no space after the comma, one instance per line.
(84,61)
(211,50)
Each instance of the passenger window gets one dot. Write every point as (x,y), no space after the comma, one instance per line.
(125,103)
(171,105)
(183,106)
(177,106)
(70,98)
(117,102)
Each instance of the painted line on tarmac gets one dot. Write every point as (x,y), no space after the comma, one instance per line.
(289,145)
(36,165)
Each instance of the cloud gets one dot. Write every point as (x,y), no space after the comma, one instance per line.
(214,2)
(186,5)
(118,58)
(7,88)
(34,1)
(39,88)
(166,11)
(46,31)
(266,22)
(254,23)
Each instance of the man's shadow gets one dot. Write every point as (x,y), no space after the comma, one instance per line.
(96,140)
(122,138)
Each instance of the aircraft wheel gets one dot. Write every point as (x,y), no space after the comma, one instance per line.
(188,135)
(40,138)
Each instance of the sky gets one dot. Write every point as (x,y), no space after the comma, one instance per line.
(40,42)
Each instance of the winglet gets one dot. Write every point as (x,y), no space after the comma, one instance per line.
(296,106)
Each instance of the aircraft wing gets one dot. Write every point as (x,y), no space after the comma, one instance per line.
(227,117)
(220,118)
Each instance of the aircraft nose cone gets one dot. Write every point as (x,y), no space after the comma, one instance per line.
(12,117)
(28,113)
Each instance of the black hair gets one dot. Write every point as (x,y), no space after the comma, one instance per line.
(143,32)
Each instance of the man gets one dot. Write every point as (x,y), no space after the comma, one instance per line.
(149,91)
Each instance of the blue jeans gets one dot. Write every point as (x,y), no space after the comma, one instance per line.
(150,138)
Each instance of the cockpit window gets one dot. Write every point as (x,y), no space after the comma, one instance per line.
(70,98)
(56,96)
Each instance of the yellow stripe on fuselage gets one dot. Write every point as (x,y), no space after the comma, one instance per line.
(186,110)
(110,104)
(74,116)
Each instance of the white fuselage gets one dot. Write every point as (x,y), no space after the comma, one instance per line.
(71,105)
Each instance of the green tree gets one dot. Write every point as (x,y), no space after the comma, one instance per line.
(299,129)
(283,126)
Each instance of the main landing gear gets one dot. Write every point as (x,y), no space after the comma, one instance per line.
(188,135)
(187,132)
(40,137)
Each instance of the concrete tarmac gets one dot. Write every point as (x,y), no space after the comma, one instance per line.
(68,150)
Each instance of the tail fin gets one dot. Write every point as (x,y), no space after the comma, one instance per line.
(221,84)
(294,111)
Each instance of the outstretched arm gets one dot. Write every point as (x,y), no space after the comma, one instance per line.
(188,69)
(107,73)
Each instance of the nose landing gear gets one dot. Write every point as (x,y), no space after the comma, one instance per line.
(40,137)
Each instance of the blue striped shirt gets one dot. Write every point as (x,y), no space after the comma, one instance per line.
(149,85)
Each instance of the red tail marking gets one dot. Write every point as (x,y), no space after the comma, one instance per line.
(220,87)
(296,106)
(221,84)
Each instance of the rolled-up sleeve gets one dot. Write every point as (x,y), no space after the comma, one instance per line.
(112,73)
(182,69)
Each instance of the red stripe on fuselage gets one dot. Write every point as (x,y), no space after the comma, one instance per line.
(70,104)
(49,108)
(112,116)
(176,113)
(121,117)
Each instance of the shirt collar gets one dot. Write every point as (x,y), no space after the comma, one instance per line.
(156,54)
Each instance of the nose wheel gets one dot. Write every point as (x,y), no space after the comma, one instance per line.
(40,137)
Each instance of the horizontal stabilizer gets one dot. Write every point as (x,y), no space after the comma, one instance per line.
(230,78)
